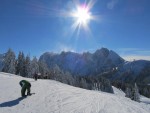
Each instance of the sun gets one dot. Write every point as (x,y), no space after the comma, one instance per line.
(82,15)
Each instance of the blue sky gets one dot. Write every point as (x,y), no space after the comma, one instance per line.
(38,26)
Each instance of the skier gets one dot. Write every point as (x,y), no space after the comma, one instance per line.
(25,86)
(35,76)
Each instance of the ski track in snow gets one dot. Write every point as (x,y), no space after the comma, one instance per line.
(54,97)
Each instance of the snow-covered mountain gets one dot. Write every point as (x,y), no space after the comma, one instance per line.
(101,62)
(83,64)
(54,97)
(135,68)
(135,71)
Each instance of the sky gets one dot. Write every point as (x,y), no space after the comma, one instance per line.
(38,26)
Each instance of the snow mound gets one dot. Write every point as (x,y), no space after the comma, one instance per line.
(54,97)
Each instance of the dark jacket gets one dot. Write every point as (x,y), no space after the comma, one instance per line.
(24,83)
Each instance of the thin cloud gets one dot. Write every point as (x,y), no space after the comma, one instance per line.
(129,49)
(136,57)
(131,54)
(134,51)
(144,52)
(112,4)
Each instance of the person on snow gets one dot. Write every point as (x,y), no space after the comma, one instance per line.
(35,76)
(25,86)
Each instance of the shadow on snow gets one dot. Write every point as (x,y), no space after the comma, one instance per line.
(12,102)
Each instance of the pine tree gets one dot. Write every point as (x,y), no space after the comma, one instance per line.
(9,62)
(18,64)
(69,78)
(34,66)
(135,94)
(83,83)
(96,87)
(28,67)
(128,92)
(20,67)
(43,69)
(57,73)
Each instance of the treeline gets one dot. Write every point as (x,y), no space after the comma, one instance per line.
(129,88)
(98,83)
(128,83)
(24,66)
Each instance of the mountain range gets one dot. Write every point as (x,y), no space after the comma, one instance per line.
(102,62)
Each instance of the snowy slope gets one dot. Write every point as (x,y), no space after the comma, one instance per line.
(54,97)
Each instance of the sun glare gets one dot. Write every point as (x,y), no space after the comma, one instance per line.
(82,15)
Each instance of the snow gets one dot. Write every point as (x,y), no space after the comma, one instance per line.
(54,97)
(118,92)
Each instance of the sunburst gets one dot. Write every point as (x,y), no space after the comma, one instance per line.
(82,16)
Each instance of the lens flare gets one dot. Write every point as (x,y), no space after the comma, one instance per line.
(82,15)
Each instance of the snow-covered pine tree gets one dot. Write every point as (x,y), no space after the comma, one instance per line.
(18,63)
(135,94)
(65,77)
(9,62)
(58,73)
(28,67)
(106,86)
(43,69)
(97,86)
(83,83)
(128,92)
(94,86)
(69,78)
(34,66)
(20,66)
